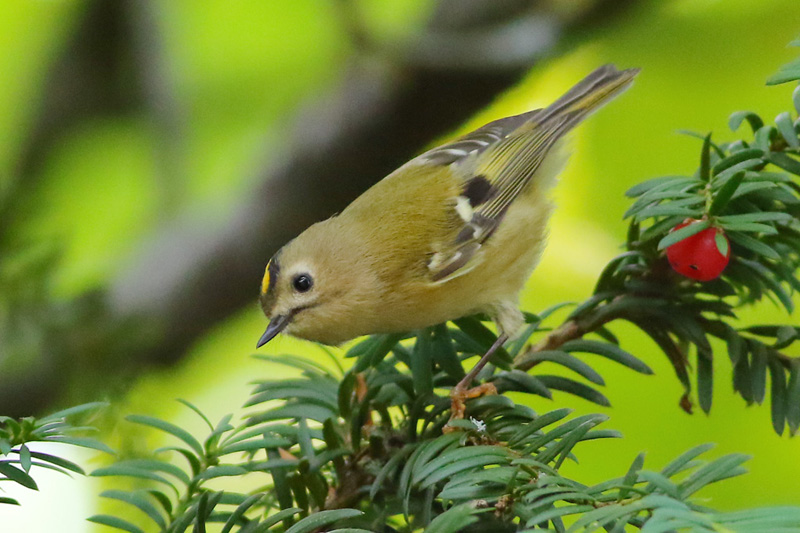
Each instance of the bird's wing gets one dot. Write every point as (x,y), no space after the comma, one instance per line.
(497,161)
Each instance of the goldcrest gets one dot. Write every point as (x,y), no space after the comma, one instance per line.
(453,232)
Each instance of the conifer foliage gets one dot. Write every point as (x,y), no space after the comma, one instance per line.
(360,447)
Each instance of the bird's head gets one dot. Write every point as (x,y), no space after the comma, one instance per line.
(314,286)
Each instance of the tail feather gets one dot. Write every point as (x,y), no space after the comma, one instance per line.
(589,94)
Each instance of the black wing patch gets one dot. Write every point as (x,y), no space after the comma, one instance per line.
(479,190)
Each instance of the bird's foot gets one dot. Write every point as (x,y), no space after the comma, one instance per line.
(458,397)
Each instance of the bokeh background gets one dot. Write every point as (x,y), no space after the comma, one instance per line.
(155,153)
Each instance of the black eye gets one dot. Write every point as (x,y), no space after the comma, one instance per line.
(302,282)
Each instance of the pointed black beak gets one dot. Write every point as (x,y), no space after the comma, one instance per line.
(276,325)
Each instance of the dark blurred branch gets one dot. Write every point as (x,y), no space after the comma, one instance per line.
(384,111)
(92,77)
(164,109)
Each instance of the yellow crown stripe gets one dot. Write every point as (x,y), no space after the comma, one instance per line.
(265,281)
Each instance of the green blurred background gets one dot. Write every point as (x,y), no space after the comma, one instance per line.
(140,137)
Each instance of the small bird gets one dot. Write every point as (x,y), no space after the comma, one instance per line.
(453,232)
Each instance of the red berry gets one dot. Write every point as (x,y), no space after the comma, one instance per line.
(703,256)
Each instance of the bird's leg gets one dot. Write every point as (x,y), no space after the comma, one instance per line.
(461,392)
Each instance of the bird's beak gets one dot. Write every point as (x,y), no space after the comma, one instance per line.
(276,325)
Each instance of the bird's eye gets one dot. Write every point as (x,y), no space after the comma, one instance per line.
(302,283)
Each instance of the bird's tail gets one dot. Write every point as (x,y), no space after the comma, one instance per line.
(589,94)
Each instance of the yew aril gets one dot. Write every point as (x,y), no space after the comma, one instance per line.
(701,257)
